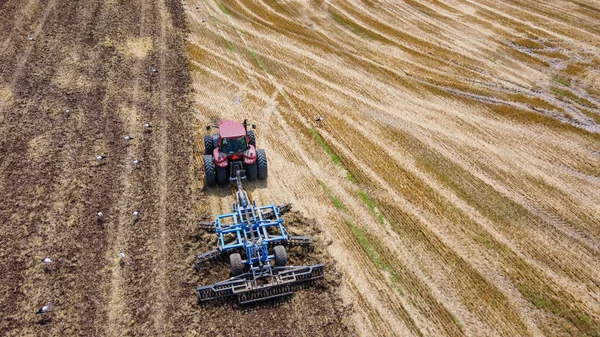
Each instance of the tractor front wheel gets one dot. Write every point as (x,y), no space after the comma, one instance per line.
(209,171)
(237,266)
(280,256)
(208,145)
(252,138)
(261,160)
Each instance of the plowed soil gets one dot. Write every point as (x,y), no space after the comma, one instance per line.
(94,58)
(451,189)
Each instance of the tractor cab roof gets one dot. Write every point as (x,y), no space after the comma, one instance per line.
(231,129)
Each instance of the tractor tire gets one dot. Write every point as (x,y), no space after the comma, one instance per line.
(252,171)
(210,178)
(252,138)
(261,160)
(280,256)
(208,145)
(236,264)
(221,175)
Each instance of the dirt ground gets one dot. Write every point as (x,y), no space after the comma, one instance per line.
(94,58)
(452,188)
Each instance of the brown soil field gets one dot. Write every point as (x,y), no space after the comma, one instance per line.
(453,187)
(94,58)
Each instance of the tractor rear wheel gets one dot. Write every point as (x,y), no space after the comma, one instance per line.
(209,171)
(252,138)
(237,266)
(221,175)
(208,144)
(261,160)
(252,171)
(280,256)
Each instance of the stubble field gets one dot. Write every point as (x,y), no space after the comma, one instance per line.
(451,189)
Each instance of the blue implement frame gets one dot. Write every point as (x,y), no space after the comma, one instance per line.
(253,229)
(251,232)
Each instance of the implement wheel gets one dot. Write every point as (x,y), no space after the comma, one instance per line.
(280,256)
(237,266)
(209,171)
(208,144)
(261,160)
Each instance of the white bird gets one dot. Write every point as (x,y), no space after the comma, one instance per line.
(136,213)
(44,309)
(67,111)
(320,119)
(99,214)
(203,20)
(100,157)
(30,38)
(147,126)
(135,162)
(154,70)
(122,255)
(197,6)
(46,260)
(127,137)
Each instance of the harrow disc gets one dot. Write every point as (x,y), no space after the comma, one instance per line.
(247,290)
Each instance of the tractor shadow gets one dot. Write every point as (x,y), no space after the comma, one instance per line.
(219,191)
(251,186)
(230,189)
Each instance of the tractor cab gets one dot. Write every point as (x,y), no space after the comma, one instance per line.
(233,137)
(233,145)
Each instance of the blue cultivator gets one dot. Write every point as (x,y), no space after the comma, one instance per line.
(254,238)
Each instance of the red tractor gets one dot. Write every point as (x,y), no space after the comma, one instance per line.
(231,152)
